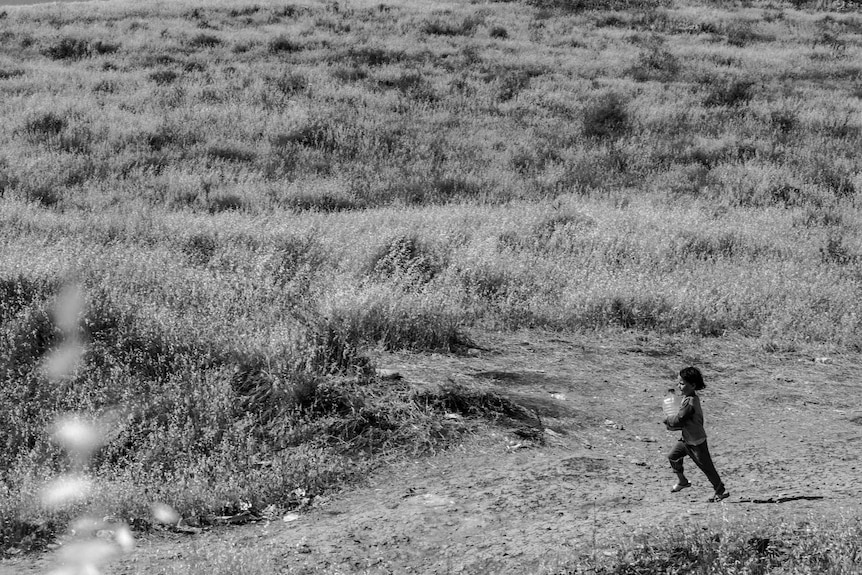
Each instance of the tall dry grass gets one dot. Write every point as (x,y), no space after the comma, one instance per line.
(252,197)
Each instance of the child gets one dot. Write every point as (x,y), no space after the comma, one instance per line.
(689,420)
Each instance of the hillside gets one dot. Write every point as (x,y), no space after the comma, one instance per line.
(219,222)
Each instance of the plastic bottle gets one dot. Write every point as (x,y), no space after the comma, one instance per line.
(671,402)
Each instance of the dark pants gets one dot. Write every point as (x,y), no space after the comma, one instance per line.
(700,455)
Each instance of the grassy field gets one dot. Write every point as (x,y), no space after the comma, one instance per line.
(250,198)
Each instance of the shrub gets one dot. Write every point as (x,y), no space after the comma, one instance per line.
(729,92)
(487,282)
(657,63)
(818,216)
(702,247)
(411,84)
(291,83)
(372,56)
(230,152)
(163,77)
(284,44)
(606,117)
(244,11)
(577,6)
(27,336)
(44,126)
(498,32)
(77,48)
(784,121)
(631,312)
(168,135)
(740,34)
(224,203)
(317,133)
(268,395)
(512,83)
(443,28)
(8,73)
(8,179)
(100,48)
(44,193)
(294,256)
(405,257)
(834,251)
(557,232)
(19,291)
(787,196)
(200,248)
(380,317)
(834,176)
(437,189)
(204,41)
(349,74)
(322,201)
(67,49)
(106,86)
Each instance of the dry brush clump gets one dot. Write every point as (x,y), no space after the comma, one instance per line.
(188,414)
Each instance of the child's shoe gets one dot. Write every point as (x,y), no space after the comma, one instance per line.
(679,487)
(719,496)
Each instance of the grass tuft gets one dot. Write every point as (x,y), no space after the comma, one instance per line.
(204,41)
(71,48)
(405,258)
(283,44)
(440,27)
(200,248)
(656,63)
(728,92)
(606,117)
(43,127)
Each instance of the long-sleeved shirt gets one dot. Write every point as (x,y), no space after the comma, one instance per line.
(689,419)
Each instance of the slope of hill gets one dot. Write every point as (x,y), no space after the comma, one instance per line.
(218,220)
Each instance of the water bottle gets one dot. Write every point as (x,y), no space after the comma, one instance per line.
(671,402)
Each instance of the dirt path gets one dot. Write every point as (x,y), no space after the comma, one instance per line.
(784,432)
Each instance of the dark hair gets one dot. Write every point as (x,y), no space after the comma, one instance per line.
(693,376)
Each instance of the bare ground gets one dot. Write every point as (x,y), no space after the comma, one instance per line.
(783,427)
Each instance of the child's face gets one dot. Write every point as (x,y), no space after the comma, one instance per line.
(684,387)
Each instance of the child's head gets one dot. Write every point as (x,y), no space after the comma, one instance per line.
(692,376)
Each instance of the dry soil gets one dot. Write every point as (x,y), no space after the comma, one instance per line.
(783,430)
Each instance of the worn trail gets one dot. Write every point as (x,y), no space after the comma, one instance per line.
(781,427)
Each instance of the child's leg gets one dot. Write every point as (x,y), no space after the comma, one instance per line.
(675,457)
(701,457)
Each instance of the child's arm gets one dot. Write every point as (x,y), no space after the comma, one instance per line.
(686,411)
